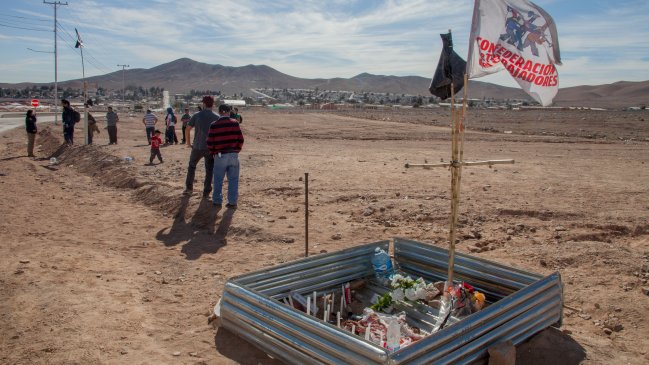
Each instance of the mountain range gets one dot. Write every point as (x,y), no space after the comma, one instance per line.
(184,74)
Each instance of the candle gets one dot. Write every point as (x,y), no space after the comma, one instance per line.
(341,304)
(367,333)
(333,300)
(353,328)
(338,319)
(290,300)
(308,306)
(313,301)
(324,315)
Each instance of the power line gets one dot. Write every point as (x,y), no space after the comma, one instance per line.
(11,26)
(88,53)
(22,17)
(16,22)
(107,72)
(102,51)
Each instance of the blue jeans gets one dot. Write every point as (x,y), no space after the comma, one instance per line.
(226,165)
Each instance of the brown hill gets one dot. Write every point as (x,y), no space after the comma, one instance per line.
(184,74)
(619,94)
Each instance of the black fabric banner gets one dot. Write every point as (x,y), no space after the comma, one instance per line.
(450,70)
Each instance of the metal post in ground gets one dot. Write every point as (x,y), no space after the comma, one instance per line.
(56,77)
(306,214)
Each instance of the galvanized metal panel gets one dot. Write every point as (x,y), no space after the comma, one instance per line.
(524,303)
(275,311)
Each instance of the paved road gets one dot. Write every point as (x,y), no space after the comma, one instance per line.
(13,122)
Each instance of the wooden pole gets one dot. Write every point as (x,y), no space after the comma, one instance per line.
(306,214)
(454,167)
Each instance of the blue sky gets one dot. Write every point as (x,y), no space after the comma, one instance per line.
(601,41)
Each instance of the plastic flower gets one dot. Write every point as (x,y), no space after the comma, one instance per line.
(396,280)
(411,294)
(398,294)
(420,292)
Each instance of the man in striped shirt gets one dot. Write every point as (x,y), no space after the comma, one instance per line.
(225,141)
(149,122)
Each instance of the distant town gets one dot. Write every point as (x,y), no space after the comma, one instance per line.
(140,98)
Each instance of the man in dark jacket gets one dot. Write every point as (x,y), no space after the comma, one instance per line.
(30,126)
(200,122)
(70,118)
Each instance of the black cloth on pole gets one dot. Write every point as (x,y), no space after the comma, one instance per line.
(450,69)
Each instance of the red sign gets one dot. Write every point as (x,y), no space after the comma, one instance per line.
(34,103)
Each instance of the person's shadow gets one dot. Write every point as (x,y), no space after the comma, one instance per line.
(208,243)
(550,346)
(179,229)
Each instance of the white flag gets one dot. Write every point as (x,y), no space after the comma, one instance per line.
(520,37)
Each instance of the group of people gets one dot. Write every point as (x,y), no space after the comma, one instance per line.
(150,120)
(217,140)
(69,118)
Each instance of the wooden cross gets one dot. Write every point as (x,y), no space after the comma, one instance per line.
(456,164)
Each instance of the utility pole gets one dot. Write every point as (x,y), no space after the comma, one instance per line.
(56,77)
(123,82)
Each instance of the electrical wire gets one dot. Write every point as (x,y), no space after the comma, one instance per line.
(34,29)
(89,54)
(103,52)
(90,61)
(23,17)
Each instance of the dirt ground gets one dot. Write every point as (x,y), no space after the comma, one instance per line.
(105,262)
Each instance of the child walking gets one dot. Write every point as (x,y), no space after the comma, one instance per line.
(155,147)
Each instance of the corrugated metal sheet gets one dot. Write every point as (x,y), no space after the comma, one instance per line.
(522,304)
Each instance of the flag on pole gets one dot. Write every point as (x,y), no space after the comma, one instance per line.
(520,37)
(450,70)
(79,41)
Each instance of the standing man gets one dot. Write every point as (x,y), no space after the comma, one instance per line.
(225,141)
(92,127)
(30,126)
(201,121)
(185,119)
(69,118)
(149,122)
(111,124)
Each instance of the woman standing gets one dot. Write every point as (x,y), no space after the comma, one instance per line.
(170,120)
(30,126)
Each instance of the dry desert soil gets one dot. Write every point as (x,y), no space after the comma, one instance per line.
(105,262)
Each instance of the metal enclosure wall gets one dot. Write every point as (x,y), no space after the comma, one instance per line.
(522,304)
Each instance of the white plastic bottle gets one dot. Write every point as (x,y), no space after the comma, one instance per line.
(393,341)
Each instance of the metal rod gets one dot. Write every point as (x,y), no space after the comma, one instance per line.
(306,214)
(123,83)
(463,163)
(56,77)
